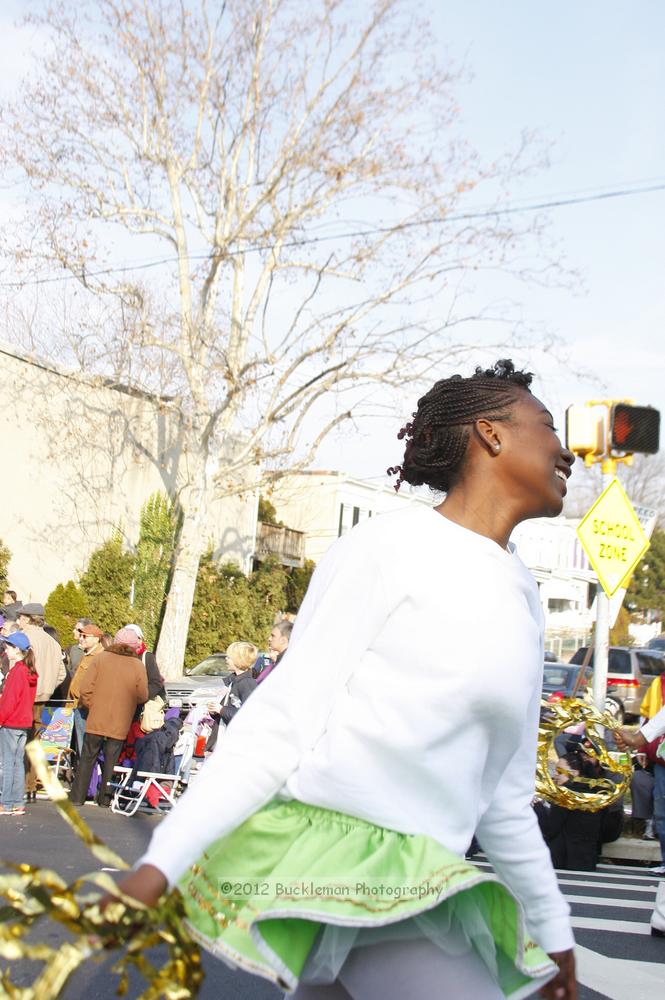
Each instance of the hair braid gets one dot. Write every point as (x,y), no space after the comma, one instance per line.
(437,436)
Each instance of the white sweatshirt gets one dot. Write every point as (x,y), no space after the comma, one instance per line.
(409,696)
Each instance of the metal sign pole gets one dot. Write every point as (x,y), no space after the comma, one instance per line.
(602,634)
(611,533)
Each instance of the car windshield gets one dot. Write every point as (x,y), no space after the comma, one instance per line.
(562,677)
(619,661)
(212,666)
(555,677)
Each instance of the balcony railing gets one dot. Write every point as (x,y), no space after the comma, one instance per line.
(285,543)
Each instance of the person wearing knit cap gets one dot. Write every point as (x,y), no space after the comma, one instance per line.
(149,660)
(113,685)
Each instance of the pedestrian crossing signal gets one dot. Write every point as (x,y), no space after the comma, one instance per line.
(634,429)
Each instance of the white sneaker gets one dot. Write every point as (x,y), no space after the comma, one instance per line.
(658,870)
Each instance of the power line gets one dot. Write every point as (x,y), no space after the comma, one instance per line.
(354,234)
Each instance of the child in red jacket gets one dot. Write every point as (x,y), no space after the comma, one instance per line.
(16,707)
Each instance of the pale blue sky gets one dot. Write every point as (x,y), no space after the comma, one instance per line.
(589,76)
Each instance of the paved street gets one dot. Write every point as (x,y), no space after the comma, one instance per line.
(617,957)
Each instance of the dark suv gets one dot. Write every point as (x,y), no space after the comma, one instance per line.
(657,643)
(629,674)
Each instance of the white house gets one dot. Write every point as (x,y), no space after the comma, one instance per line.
(325,505)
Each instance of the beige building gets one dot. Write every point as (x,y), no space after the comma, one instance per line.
(81,457)
(325,505)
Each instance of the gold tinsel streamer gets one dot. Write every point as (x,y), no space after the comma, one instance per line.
(31,894)
(557,717)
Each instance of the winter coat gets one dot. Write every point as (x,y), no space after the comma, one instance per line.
(241,686)
(48,661)
(18,697)
(111,688)
(154,751)
(155,679)
(83,664)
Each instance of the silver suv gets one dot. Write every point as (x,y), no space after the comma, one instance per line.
(203,683)
(630,673)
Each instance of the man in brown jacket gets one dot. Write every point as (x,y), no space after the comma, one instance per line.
(113,685)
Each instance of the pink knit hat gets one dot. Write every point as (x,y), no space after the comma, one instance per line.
(127,637)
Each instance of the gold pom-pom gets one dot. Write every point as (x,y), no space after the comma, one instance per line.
(558,716)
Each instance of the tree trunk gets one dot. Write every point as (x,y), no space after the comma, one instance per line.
(173,633)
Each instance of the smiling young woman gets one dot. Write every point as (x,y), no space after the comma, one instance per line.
(322,845)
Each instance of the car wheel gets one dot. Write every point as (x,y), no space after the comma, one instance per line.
(615,709)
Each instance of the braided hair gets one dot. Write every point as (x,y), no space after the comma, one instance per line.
(437,438)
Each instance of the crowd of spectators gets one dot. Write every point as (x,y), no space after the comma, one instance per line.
(111,689)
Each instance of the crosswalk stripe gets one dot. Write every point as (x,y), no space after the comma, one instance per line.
(615,879)
(618,978)
(645,883)
(616,926)
(626,904)
(588,883)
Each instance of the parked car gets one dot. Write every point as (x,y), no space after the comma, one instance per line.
(658,642)
(202,683)
(560,681)
(630,672)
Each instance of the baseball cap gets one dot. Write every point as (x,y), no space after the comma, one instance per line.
(18,639)
(31,609)
(91,629)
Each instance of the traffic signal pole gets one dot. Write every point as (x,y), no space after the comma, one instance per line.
(609,437)
(602,629)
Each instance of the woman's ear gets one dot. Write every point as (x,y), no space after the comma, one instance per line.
(487,434)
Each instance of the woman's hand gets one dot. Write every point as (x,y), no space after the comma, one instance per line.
(564,985)
(146,885)
(625,739)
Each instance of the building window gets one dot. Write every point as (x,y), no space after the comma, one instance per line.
(558,604)
(349,516)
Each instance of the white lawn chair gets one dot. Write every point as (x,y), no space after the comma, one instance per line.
(130,793)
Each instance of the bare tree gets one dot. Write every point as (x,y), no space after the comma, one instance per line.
(296,180)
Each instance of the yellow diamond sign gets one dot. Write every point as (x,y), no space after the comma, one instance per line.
(612,537)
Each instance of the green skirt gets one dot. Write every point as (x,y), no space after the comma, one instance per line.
(295,887)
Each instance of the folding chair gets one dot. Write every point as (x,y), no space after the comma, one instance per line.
(56,738)
(136,788)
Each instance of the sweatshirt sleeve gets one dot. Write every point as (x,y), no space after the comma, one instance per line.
(655,727)
(343,610)
(511,838)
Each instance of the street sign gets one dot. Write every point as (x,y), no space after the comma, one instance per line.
(612,537)
(647,516)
